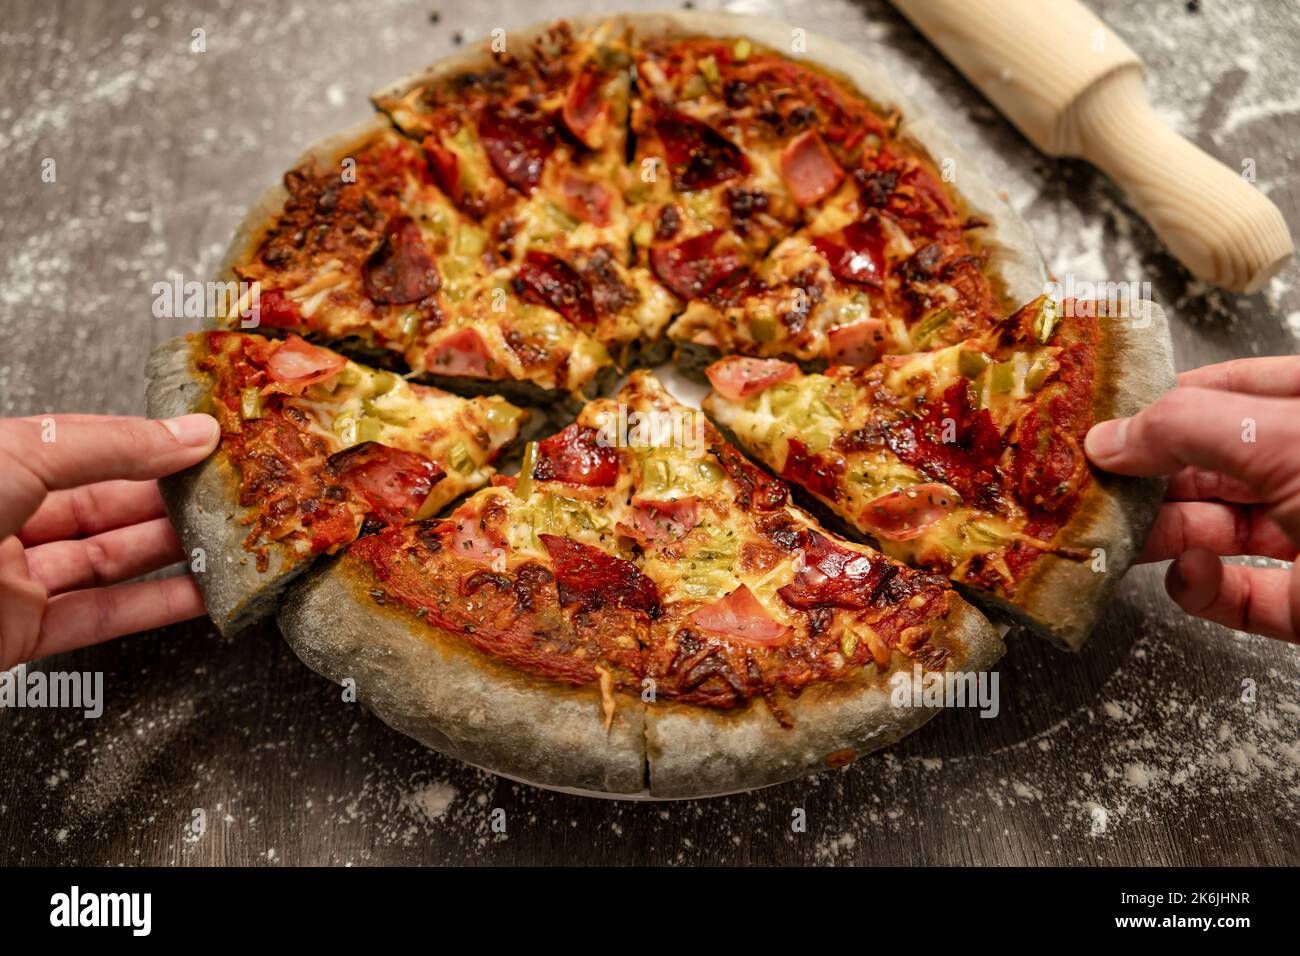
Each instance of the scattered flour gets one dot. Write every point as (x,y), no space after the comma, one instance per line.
(430,802)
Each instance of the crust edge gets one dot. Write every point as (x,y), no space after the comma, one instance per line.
(431,686)
(1118,511)
(203,504)
(698,752)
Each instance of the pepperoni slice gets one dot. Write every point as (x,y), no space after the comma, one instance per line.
(857,343)
(698,155)
(831,575)
(735,288)
(462,353)
(755,488)
(584,111)
(856,253)
(740,617)
(550,281)
(592,579)
(809,169)
(297,364)
(277,311)
(737,377)
(811,471)
(587,200)
(652,523)
(576,456)
(401,269)
(331,526)
(517,142)
(392,481)
(692,268)
(903,515)
(954,442)
(1048,463)
(445,168)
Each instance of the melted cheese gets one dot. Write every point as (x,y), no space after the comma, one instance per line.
(461,435)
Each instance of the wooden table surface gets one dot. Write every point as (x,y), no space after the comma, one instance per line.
(1138,750)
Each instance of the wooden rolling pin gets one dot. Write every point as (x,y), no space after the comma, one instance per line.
(1074,88)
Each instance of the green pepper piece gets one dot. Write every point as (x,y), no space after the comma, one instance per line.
(742,49)
(561,218)
(524,486)
(644,235)
(971,364)
(369,429)
(931,324)
(709,67)
(384,382)
(470,241)
(351,375)
(709,471)
(694,88)
(250,402)
(1036,375)
(460,459)
(410,326)
(1002,377)
(762,328)
(502,415)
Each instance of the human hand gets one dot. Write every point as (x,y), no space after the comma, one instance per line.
(79,509)
(1229,438)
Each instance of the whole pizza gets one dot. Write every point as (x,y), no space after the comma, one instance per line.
(449,471)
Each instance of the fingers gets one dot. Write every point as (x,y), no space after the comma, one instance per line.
(81,618)
(92,509)
(1198,484)
(1219,528)
(105,558)
(1277,375)
(1259,600)
(1254,440)
(36,459)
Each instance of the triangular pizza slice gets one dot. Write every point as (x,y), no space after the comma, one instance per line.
(532,148)
(967,460)
(315,449)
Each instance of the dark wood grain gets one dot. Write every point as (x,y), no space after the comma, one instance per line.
(1139,750)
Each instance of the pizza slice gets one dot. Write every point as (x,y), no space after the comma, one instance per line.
(967,460)
(531,145)
(361,250)
(873,254)
(640,609)
(357,248)
(315,450)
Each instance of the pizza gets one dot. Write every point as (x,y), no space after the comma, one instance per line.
(315,449)
(967,459)
(637,608)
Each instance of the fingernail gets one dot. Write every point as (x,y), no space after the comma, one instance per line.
(1106,440)
(193,430)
